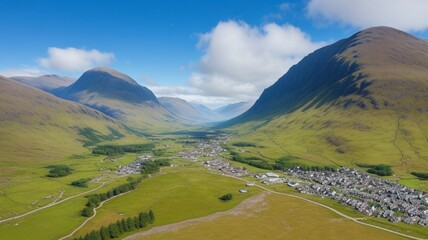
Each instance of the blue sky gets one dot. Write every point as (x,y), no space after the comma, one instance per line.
(214,52)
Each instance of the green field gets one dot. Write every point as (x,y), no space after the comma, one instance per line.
(183,192)
(177,194)
(277,217)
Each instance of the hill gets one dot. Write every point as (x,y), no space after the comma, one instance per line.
(233,110)
(37,126)
(120,97)
(184,110)
(45,82)
(363,99)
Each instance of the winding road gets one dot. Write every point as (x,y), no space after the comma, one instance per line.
(93,215)
(56,202)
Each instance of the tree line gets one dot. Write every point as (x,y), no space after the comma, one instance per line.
(112,150)
(114,230)
(95,200)
(252,161)
(380,170)
(282,163)
(150,167)
(420,175)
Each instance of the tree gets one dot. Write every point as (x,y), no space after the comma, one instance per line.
(136,223)
(131,224)
(87,212)
(149,167)
(125,225)
(152,216)
(120,225)
(105,235)
(113,230)
(226,197)
(95,235)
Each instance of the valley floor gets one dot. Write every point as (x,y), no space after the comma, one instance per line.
(184,198)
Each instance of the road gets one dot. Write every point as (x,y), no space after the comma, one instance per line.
(51,204)
(93,215)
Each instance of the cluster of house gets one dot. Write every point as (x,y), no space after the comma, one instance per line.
(270,178)
(134,167)
(369,195)
(226,168)
(206,148)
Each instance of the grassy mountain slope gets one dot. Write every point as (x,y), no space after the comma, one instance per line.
(45,82)
(38,129)
(363,99)
(37,126)
(120,97)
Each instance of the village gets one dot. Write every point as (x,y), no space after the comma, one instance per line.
(134,167)
(206,148)
(370,195)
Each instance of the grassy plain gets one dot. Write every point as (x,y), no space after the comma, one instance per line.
(278,217)
(179,193)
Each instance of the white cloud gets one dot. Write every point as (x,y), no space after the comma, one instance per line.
(22,72)
(407,15)
(239,60)
(74,59)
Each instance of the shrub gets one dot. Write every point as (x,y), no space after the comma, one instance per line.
(226,197)
(59,171)
(83,183)
(420,175)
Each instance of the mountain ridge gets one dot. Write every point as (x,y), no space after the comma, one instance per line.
(121,97)
(363,99)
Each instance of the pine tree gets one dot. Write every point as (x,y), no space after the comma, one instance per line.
(113,230)
(120,225)
(95,235)
(105,235)
(151,217)
(131,225)
(125,225)
(136,223)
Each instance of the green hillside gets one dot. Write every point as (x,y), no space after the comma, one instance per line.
(363,99)
(122,98)
(38,130)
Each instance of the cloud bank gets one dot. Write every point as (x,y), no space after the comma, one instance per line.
(407,15)
(74,59)
(239,60)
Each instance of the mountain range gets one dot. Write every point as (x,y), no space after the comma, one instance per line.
(201,113)
(363,99)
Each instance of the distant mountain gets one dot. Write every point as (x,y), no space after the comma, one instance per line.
(45,82)
(233,110)
(184,110)
(120,97)
(363,99)
(206,110)
(38,126)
